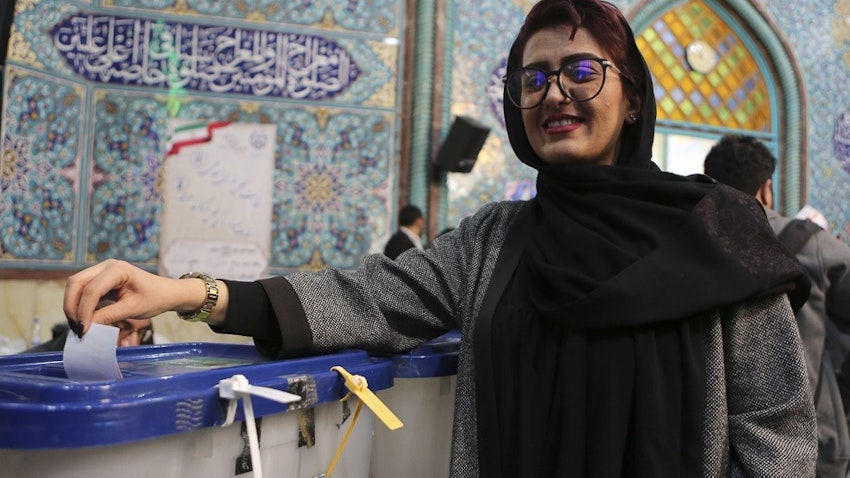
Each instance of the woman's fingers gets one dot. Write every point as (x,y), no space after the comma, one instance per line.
(85,290)
(115,290)
(74,289)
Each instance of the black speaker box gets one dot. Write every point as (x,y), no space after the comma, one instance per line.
(460,149)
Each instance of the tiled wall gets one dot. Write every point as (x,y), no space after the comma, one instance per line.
(90,87)
(826,75)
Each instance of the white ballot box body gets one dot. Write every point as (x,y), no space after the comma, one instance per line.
(423,397)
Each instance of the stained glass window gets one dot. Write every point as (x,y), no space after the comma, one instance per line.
(729,92)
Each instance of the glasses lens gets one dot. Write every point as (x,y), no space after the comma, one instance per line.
(582,79)
(527,87)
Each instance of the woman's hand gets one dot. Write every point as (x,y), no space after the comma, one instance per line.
(132,292)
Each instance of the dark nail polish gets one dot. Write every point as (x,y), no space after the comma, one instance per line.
(76,327)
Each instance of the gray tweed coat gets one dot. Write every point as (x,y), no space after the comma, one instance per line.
(759,418)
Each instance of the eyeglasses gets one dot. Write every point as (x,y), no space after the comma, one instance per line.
(127,329)
(579,80)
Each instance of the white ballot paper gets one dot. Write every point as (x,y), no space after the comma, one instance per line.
(92,357)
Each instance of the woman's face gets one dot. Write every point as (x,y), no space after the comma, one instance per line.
(560,130)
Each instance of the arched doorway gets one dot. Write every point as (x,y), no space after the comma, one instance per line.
(721,68)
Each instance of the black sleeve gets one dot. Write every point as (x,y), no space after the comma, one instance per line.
(270,312)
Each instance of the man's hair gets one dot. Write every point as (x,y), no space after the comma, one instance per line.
(408,215)
(740,161)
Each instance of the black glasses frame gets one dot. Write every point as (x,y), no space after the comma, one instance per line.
(558,74)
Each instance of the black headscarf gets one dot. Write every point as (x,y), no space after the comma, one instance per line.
(589,347)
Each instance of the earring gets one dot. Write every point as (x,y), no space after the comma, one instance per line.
(632,117)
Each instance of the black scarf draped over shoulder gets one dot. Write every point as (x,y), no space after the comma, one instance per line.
(589,347)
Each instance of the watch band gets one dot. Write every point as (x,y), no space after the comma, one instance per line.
(209,302)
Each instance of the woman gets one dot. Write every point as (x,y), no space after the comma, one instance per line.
(625,322)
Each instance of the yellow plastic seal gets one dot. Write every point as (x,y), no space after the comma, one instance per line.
(358,385)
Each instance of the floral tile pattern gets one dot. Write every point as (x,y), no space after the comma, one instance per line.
(83,153)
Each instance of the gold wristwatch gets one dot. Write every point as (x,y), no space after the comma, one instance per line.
(209,302)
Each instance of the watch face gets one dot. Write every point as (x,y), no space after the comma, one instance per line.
(701,56)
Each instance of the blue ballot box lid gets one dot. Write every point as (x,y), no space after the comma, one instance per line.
(435,358)
(166,389)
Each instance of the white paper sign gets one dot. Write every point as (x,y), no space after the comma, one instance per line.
(236,260)
(217,200)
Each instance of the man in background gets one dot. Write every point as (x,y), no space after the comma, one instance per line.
(746,164)
(411,226)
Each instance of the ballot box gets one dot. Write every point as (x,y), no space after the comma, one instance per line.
(165,417)
(422,397)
